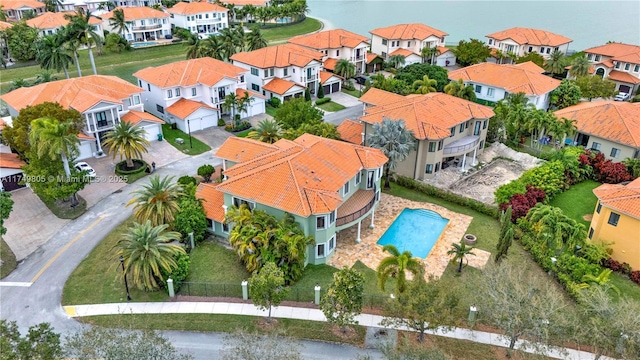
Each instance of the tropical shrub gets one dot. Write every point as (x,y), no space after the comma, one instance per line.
(275,102)
(179,273)
(576,267)
(323,100)
(635,276)
(221,122)
(613,173)
(505,192)
(522,203)
(187,180)
(548,177)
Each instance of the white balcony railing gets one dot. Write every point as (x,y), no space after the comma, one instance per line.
(147,27)
(460,146)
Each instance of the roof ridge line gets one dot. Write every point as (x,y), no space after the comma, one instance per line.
(300,192)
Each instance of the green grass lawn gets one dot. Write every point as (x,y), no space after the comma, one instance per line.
(244,134)
(283,32)
(8,258)
(331,106)
(191,146)
(578,201)
(271,110)
(355,93)
(63,210)
(98,278)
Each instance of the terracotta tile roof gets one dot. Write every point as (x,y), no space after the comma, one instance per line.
(4,25)
(77,93)
(183,8)
(206,71)
(83,136)
(443,49)
(51,20)
(279,86)
(185,107)
(429,116)
(325,75)
(408,32)
(302,177)
(623,77)
(213,201)
(403,52)
(242,93)
(11,161)
(622,198)
(330,64)
(530,36)
(136,13)
(2,124)
(619,52)
(330,39)
(531,66)
(513,79)
(18,4)
(375,96)
(279,56)
(351,131)
(371,57)
(240,150)
(608,63)
(617,121)
(246,2)
(136,117)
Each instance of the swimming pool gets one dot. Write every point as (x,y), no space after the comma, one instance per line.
(415,230)
(143,44)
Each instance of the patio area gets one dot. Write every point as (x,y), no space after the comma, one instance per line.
(370,253)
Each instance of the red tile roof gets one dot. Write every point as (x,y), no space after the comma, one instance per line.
(302,177)
(76,93)
(243,92)
(330,64)
(330,39)
(442,50)
(531,66)
(241,3)
(240,150)
(622,198)
(136,13)
(11,161)
(4,25)
(530,36)
(371,57)
(206,71)
(279,86)
(351,131)
(83,136)
(512,78)
(429,116)
(623,77)
(619,52)
(279,56)
(213,201)
(617,121)
(183,8)
(136,117)
(50,20)
(185,107)
(375,96)
(403,52)
(18,4)
(408,32)
(325,76)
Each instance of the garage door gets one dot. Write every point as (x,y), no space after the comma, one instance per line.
(624,89)
(85,150)
(326,89)
(257,107)
(11,182)
(335,87)
(152,132)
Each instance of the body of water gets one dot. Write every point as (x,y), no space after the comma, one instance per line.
(415,230)
(588,23)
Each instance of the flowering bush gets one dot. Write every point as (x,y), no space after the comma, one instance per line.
(522,203)
(635,276)
(613,173)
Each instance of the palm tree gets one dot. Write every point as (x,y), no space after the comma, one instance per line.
(429,52)
(82,30)
(157,202)
(52,53)
(396,265)
(459,90)
(18,83)
(601,280)
(211,47)
(267,131)
(397,61)
(249,12)
(232,10)
(127,140)
(345,69)
(460,251)
(425,85)
(500,56)
(255,40)
(395,140)
(55,139)
(73,43)
(230,104)
(554,229)
(555,63)
(44,77)
(230,42)
(244,103)
(147,250)
(580,66)
(196,49)
(118,22)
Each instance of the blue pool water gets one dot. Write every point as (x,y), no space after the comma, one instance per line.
(415,230)
(143,44)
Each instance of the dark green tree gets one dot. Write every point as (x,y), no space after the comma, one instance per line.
(506,235)
(6,205)
(307,95)
(320,92)
(40,342)
(410,73)
(471,52)
(294,113)
(21,41)
(565,95)
(190,217)
(592,87)
(344,298)
(534,57)
(206,171)
(267,287)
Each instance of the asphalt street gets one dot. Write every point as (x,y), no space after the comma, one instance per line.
(336,118)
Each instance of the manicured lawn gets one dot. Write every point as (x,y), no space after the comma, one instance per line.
(98,278)
(331,106)
(243,134)
(578,201)
(8,259)
(271,110)
(626,286)
(191,146)
(283,32)
(63,210)
(355,93)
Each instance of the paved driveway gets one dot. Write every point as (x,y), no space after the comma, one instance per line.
(213,136)
(344,99)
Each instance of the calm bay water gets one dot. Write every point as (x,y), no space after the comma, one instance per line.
(588,23)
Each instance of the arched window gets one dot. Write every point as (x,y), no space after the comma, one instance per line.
(600,72)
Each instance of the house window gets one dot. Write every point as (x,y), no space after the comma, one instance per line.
(169,94)
(120,108)
(481,146)
(490,92)
(437,167)
(378,195)
(321,222)
(337,52)
(556,48)
(225,228)
(478,89)
(432,146)
(266,72)
(254,71)
(255,87)
(346,188)
(618,65)
(384,55)
(548,50)
(408,43)
(358,177)
(530,48)
(140,83)
(286,71)
(177,91)
(332,217)
(636,68)
(440,144)
(101,118)
(127,102)
(614,153)
(484,124)
(148,87)
(476,128)
(542,49)
(595,146)
(271,72)
(461,127)
(589,56)
(371,179)
(237,202)
(159,109)
(599,208)
(627,66)
(590,233)
(613,219)
(193,91)
(598,57)
(453,132)
(490,41)
(380,171)
(429,169)
(319,250)
(384,41)
(332,243)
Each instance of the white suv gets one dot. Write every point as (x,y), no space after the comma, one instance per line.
(622,97)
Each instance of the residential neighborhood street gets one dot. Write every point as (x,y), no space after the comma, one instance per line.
(336,118)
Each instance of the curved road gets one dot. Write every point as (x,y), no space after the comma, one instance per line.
(49,267)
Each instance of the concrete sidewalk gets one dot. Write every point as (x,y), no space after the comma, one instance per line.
(289,312)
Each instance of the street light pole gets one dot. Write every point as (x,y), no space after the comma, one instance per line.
(189,127)
(126,285)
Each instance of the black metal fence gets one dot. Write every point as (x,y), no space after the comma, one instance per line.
(354,216)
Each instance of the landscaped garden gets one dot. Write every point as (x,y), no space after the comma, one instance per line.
(578,202)
(331,106)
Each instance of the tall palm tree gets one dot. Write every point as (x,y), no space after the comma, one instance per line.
(55,138)
(157,202)
(395,140)
(429,52)
(127,140)
(425,85)
(397,61)
(459,90)
(255,39)
(500,56)
(147,250)
(211,47)
(196,49)
(232,11)
(52,53)
(267,131)
(244,103)
(396,265)
(580,66)
(81,29)
(460,251)
(73,43)
(230,42)
(118,22)
(556,62)
(345,69)
(230,104)
(249,12)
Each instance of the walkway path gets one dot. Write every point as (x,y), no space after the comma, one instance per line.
(288,312)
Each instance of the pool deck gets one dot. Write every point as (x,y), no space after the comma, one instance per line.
(370,253)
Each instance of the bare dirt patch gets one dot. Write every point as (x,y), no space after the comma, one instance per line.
(348,333)
(266,324)
(587,217)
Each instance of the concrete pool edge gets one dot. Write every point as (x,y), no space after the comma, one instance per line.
(416,249)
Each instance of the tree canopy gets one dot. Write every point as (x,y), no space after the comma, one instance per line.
(21,41)
(344,298)
(410,73)
(471,52)
(565,95)
(295,112)
(592,87)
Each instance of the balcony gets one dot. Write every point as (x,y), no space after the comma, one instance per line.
(101,126)
(461,146)
(207,21)
(356,206)
(146,27)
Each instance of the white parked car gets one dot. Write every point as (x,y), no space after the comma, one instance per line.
(622,97)
(83,166)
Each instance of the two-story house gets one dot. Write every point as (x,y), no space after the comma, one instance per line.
(337,44)
(610,127)
(144,23)
(50,23)
(15,9)
(450,131)
(292,67)
(493,82)
(190,93)
(617,62)
(103,101)
(408,40)
(521,41)
(201,18)
(327,185)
